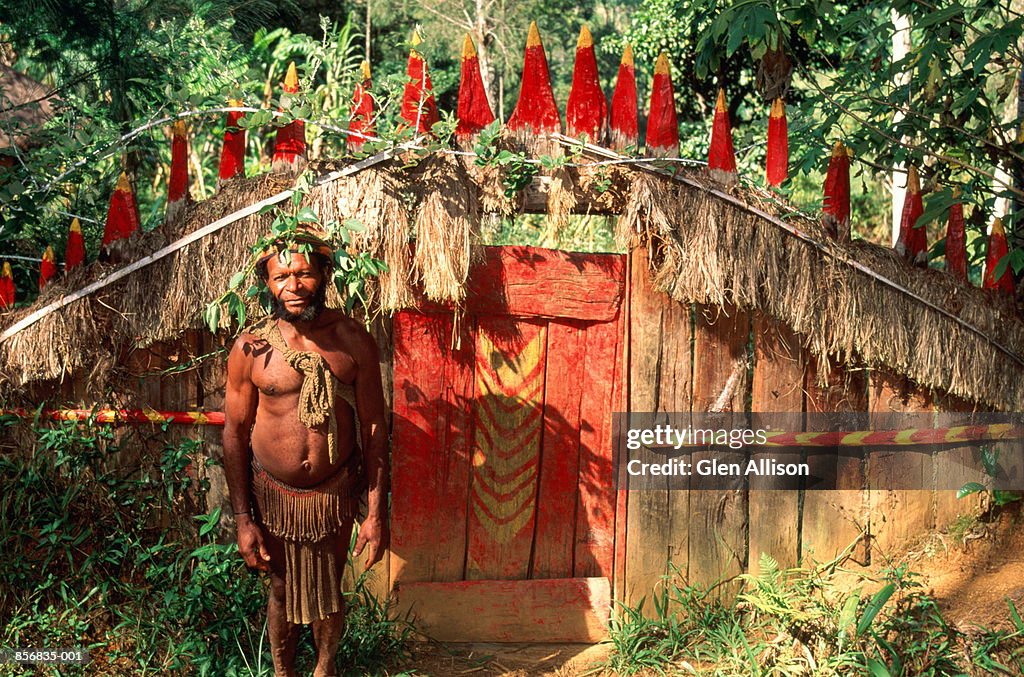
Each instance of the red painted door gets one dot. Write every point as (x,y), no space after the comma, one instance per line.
(503,499)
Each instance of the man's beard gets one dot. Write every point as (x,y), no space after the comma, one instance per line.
(317,303)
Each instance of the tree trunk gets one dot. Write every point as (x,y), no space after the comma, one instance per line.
(900,48)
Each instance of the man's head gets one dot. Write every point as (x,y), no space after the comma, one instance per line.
(297,284)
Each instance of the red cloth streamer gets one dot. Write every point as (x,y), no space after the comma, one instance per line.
(836,206)
(7,292)
(123,214)
(997,249)
(47,267)
(587,110)
(721,156)
(178,184)
(625,127)
(290,146)
(361,119)
(913,240)
(777,160)
(418,105)
(536,110)
(956,241)
(74,251)
(232,154)
(474,110)
(662,123)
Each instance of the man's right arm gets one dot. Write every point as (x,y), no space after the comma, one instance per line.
(240,401)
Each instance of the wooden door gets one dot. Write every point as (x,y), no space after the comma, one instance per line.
(503,496)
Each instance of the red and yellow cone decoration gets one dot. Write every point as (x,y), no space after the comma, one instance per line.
(7,292)
(624,124)
(232,154)
(47,268)
(122,219)
(74,251)
(662,122)
(418,106)
(836,205)
(777,160)
(913,241)
(956,240)
(177,186)
(474,110)
(535,112)
(361,120)
(290,147)
(721,155)
(998,248)
(587,110)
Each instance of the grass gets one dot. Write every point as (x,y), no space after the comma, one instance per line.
(100,549)
(808,621)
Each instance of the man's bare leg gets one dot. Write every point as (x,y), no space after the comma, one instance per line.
(284,636)
(327,635)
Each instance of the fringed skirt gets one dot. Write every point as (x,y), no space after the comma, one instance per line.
(309,522)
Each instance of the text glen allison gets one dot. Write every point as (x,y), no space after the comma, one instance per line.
(710,467)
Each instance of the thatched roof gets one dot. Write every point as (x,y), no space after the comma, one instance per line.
(710,248)
(24,105)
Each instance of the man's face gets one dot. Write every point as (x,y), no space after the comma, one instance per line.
(297,288)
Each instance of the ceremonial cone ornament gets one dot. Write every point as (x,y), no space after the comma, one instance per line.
(836,205)
(474,110)
(122,220)
(721,156)
(47,268)
(535,112)
(998,248)
(74,252)
(777,158)
(418,106)
(956,240)
(177,186)
(290,146)
(913,239)
(232,154)
(7,291)
(662,122)
(361,121)
(624,125)
(587,110)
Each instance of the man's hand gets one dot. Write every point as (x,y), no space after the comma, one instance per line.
(251,546)
(373,532)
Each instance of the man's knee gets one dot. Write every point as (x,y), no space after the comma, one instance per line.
(277,589)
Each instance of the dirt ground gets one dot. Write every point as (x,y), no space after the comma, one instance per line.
(971,574)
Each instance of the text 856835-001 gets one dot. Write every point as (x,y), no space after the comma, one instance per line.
(44,656)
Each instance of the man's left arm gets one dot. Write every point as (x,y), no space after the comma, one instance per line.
(372,412)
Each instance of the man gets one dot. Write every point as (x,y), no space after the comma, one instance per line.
(304,428)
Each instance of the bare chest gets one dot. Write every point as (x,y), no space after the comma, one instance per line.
(274,377)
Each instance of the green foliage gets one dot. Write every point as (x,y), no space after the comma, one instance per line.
(804,621)
(997,498)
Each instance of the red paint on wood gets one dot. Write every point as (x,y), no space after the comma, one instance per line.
(913,241)
(625,127)
(777,159)
(587,110)
(535,111)
(361,120)
(214,418)
(74,251)
(418,106)
(956,242)
(123,214)
(7,291)
(557,610)
(474,111)
(721,155)
(595,518)
(290,145)
(560,450)
(177,186)
(47,268)
(662,122)
(836,206)
(997,249)
(232,154)
(431,434)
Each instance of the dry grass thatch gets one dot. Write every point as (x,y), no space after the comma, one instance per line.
(706,250)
